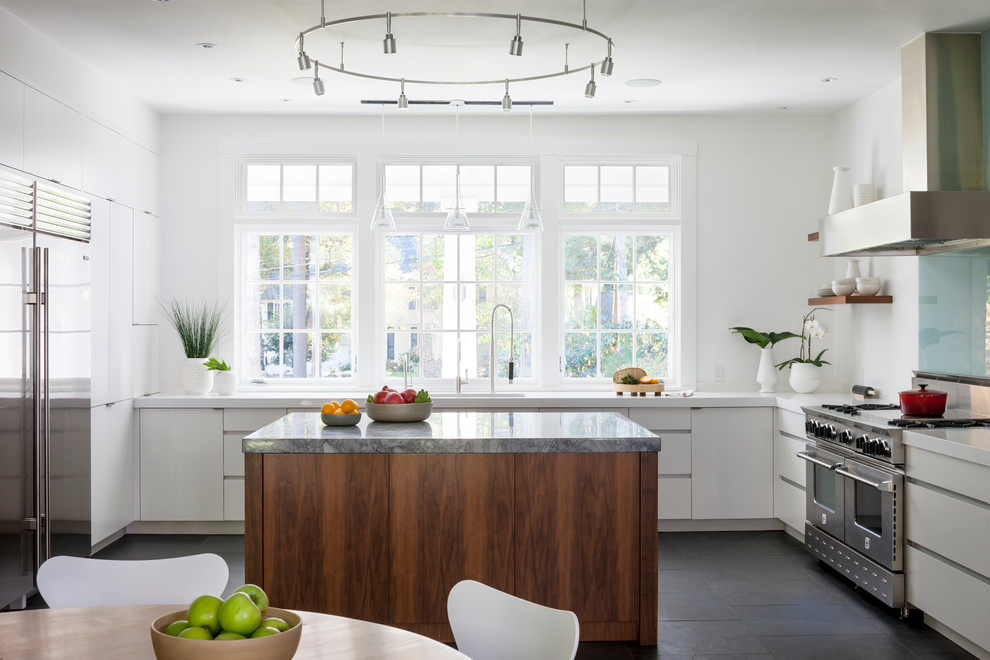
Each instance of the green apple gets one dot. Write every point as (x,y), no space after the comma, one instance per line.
(228,636)
(176,627)
(195,632)
(265,631)
(257,594)
(239,614)
(278,624)
(204,611)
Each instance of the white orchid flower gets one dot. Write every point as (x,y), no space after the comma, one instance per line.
(814,328)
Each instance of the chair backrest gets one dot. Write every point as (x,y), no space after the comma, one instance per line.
(489,624)
(81,581)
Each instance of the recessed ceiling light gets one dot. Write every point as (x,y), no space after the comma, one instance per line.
(163,0)
(206,44)
(829,80)
(237,80)
(301,80)
(286,100)
(783,107)
(643,82)
(629,101)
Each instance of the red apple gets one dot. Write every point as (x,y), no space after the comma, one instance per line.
(408,396)
(394,397)
(386,388)
(380,396)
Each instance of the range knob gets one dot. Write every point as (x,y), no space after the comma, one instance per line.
(829,432)
(846,437)
(810,426)
(884,449)
(861,442)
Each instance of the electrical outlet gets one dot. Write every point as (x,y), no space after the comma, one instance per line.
(718,373)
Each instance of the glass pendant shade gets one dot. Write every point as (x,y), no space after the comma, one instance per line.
(531,219)
(457,219)
(382,220)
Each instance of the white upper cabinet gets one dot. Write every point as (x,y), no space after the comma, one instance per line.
(52,139)
(121,287)
(105,170)
(147,269)
(101,302)
(147,170)
(11,122)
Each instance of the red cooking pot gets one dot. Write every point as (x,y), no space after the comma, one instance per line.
(922,402)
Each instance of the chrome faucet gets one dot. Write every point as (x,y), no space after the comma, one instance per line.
(491,351)
(458,381)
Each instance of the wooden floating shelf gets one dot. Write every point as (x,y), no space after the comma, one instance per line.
(851,300)
(813,237)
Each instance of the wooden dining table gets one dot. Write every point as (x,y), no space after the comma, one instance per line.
(109,633)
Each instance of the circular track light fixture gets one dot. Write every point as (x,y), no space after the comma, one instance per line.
(515,49)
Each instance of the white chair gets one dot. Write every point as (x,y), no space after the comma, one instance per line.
(489,624)
(81,581)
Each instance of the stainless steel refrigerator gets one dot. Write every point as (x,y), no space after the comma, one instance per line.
(45,368)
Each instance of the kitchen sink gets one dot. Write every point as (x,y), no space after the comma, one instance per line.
(479,395)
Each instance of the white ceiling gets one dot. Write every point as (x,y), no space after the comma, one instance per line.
(713,56)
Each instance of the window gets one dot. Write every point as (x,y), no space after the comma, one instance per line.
(484,188)
(297,188)
(616,303)
(297,305)
(617,188)
(440,290)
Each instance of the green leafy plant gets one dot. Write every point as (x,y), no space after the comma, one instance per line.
(810,327)
(630,380)
(198,326)
(214,364)
(762,339)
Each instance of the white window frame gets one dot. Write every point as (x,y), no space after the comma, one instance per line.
(241,211)
(672,162)
(275,227)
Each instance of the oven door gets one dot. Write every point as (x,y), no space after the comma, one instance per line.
(872,509)
(825,501)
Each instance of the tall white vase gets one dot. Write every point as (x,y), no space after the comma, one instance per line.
(766,374)
(842,197)
(805,378)
(852,269)
(196,378)
(224,382)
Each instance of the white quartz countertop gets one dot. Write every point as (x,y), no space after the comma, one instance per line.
(457,433)
(971,445)
(513,400)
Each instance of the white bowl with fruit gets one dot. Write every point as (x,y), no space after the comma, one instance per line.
(389,405)
(242,627)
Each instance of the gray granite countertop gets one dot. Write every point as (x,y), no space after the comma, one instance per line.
(457,433)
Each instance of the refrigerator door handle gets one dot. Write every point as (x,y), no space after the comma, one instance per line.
(46,520)
(37,411)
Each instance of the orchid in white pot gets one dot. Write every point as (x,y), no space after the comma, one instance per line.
(806,370)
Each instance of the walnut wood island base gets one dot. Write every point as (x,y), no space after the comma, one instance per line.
(379,521)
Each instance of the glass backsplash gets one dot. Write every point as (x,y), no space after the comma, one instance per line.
(954,313)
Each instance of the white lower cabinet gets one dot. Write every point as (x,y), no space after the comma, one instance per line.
(731,463)
(237,423)
(182,464)
(789,471)
(112,464)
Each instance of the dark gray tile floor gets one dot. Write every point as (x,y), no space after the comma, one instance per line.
(723,595)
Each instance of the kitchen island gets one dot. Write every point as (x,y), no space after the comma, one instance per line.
(378,521)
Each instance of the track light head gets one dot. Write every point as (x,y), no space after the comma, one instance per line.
(606,69)
(589,89)
(318,87)
(506,100)
(304,62)
(516,46)
(389,41)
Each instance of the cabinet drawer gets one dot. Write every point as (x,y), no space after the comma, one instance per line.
(955,529)
(233,498)
(675,453)
(250,419)
(785,459)
(233,457)
(674,498)
(662,419)
(955,599)
(789,505)
(963,477)
(790,422)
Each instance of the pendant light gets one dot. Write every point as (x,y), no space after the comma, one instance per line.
(382,220)
(457,219)
(530,219)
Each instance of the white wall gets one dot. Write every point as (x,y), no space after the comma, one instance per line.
(879,342)
(762,183)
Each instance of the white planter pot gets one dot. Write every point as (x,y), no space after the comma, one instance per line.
(805,378)
(224,382)
(196,378)
(766,374)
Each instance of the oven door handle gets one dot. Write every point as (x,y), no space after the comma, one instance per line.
(884,486)
(811,458)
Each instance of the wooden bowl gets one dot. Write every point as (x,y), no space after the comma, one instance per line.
(274,647)
(635,372)
(340,420)
(399,412)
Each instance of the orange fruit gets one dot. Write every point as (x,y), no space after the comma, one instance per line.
(349,407)
(326,409)
(645,380)
(339,411)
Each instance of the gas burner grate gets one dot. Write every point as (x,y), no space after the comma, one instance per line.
(877,406)
(853,410)
(907,423)
(843,408)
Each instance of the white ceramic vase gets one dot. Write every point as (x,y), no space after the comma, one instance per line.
(842,198)
(805,377)
(224,382)
(766,374)
(196,378)
(852,269)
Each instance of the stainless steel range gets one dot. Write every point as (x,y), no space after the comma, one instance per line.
(855,490)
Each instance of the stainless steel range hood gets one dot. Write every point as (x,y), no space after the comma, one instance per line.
(947,207)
